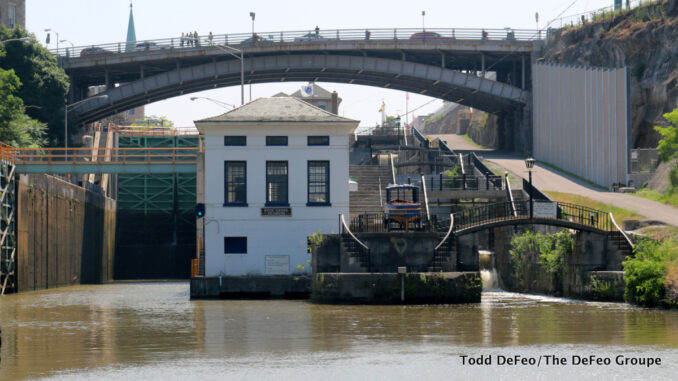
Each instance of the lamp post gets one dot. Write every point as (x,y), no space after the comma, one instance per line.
(220,103)
(72,45)
(252,15)
(15,39)
(423,23)
(529,163)
(230,50)
(57,40)
(67,108)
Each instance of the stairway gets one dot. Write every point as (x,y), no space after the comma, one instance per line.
(618,240)
(357,255)
(366,198)
(442,258)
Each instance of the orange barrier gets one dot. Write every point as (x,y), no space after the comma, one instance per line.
(160,155)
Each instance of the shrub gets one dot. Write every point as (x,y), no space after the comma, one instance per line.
(645,273)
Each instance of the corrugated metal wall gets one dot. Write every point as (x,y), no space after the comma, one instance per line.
(581,120)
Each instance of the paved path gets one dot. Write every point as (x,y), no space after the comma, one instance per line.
(550,180)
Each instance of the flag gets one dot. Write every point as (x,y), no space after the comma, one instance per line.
(407,96)
(383,107)
(307,90)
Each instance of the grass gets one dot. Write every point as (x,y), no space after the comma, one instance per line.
(468,139)
(659,232)
(515,181)
(588,182)
(666,198)
(620,214)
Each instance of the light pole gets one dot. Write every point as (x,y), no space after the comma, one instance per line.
(423,24)
(67,108)
(220,103)
(252,14)
(72,46)
(15,39)
(230,50)
(57,40)
(529,163)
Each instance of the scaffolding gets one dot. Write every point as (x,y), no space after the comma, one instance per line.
(7,227)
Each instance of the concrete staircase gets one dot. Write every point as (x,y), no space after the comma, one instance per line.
(358,257)
(366,198)
(444,256)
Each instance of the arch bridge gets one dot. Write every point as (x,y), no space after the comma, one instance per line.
(445,63)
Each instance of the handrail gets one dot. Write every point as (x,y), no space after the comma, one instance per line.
(346,229)
(626,237)
(393,175)
(449,231)
(444,147)
(306,37)
(510,194)
(423,186)
(461,164)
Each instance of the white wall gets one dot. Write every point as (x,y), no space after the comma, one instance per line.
(581,120)
(271,235)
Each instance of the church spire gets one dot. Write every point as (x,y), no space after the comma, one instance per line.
(131,34)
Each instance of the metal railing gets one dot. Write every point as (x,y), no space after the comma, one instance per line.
(141,130)
(377,223)
(600,13)
(308,37)
(159,155)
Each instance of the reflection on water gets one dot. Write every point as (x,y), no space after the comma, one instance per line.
(153,330)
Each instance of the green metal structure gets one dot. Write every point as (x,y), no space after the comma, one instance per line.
(155,234)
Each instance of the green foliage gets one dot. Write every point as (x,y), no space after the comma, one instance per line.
(155,121)
(549,248)
(601,290)
(44,84)
(316,239)
(645,272)
(16,128)
(668,145)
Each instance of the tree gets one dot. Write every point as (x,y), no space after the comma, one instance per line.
(668,145)
(44,84)
(155,121)
(16,128)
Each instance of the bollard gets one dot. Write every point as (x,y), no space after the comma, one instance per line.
(402,270)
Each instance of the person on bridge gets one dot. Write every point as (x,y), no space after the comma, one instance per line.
(317,31)
(196,39)
(211,38)
(367,34)
(182,39)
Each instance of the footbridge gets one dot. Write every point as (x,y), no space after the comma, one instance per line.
(445,63)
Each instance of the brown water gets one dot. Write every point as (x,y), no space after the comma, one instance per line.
(153,331)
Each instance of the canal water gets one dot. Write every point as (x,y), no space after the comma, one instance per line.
(149,331)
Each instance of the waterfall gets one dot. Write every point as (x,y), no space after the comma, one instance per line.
(488,270)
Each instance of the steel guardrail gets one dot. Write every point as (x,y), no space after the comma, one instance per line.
(244,40)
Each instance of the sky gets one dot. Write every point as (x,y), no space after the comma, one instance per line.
(88,22)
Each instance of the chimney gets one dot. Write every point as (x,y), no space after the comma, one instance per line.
(335,103)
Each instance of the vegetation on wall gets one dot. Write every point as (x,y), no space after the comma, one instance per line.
(548,248)
(42,86)
(668,150)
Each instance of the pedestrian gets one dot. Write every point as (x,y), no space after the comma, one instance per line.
(367,34)
(189,38)
(195,36)
(317,31)
(211,38)
(182,39)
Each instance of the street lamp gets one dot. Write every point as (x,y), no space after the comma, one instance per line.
(230,50)
(15,39)
(252,14)
(57,40)
(220,103)
(423,24)
(72,45)
(529,163)
(67,108)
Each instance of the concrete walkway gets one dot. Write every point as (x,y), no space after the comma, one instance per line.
(551,180)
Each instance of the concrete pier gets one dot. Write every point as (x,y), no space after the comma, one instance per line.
(251,287)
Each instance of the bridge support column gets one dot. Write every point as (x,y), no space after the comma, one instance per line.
(141,71)
(522,73)
(107,80)
(482,63)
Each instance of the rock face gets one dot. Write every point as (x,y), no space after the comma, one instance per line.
(644,40)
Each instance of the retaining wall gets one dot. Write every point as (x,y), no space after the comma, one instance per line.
(65,234)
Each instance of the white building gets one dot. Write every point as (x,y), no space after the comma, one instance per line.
(276,171)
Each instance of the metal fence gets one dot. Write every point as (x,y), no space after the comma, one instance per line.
(600,13)
(243,40)
(644,160)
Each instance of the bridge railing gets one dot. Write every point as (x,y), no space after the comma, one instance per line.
(141,130)
(160,155)
(244,40)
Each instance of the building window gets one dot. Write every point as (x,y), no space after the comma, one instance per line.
(235,245)
(322,106)
(318,183)
(235,183)
(235,140)
(276,183)
(12,16)
(276,140)
(318,140)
